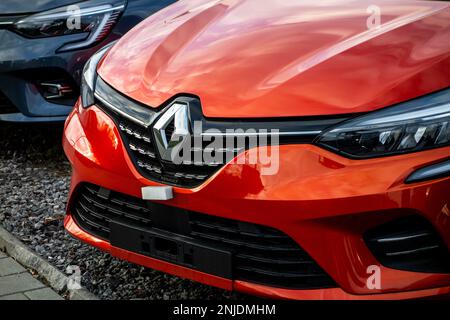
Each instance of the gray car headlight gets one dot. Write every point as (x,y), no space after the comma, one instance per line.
(416,125)
(89,76)
(93,19)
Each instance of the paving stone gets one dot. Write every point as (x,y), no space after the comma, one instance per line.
(16,283)
(43,294)
(16,296)
(9,266)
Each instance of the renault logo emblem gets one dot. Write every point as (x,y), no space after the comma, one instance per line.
(171,130)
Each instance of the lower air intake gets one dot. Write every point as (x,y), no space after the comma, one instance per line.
(258,254)
(411,244)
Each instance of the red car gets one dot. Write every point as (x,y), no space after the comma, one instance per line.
(353,102)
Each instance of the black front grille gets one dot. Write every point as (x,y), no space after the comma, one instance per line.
(259,254)
(143,152)
(409,243)
(6,106)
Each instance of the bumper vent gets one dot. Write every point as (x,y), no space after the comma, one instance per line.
(259,254)
(409,243)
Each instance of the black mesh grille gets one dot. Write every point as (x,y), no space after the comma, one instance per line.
(260,254)
(409,243)
(6,106)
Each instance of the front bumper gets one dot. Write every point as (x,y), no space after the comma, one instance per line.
(22,63)
(322,201)
(26,62)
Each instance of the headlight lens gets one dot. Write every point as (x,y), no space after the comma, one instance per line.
(94,18)
(89,76)
(415,125)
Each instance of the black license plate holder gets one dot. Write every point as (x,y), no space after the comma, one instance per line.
(173,248)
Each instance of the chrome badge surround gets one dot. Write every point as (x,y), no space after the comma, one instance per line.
(178,114)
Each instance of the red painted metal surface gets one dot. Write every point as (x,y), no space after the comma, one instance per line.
(248,58)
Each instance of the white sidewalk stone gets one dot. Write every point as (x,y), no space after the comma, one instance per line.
(16,283)
(9,266)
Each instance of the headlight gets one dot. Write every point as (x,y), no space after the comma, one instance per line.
(93,87)
(89,76)
(412,126)
(94,19)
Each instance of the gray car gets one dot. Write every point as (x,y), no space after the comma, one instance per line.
(45,44)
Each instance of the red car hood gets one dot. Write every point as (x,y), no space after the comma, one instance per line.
(253,58)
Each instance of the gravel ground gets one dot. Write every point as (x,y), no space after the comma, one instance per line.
(34,182)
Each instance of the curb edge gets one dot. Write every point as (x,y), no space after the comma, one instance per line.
(56,279)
